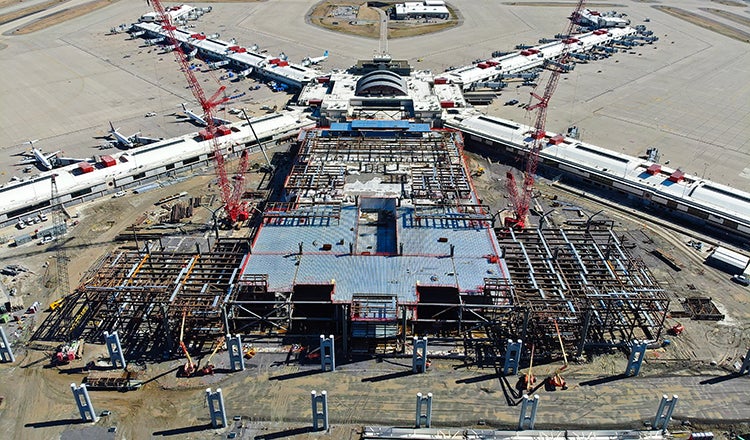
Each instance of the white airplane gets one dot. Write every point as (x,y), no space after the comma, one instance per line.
(46,161)
(128,141)
(192,53)
(169,48)
(314,60)
(200,120)
(38,157)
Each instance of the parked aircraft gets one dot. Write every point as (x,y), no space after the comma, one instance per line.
(314,60)
(128,141)
(45,161)
(38,157)
(199,120)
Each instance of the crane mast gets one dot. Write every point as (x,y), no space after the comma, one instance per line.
(230,193)
(522,201)
(61,255)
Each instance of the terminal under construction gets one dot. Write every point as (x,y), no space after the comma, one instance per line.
(376,236)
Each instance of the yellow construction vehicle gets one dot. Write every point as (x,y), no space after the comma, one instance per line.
(478,172)
(54,305)
(249,352)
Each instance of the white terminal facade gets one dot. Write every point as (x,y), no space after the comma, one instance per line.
(385,88)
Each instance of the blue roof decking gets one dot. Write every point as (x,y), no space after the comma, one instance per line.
(374,274)
(426,258)
(369,236)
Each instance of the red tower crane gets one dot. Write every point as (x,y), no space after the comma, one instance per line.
(521,201)
(231,194)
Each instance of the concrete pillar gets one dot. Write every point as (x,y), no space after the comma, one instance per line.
(236,356)
(115,350)
(637,354)
(424,410)
(512,357)
(664,413)
(327,353)
(744,369)
(216,409)
(419,355)
(527,421)
(319,415)
(83,401)
(6,353)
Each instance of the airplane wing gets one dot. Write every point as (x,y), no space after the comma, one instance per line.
(219,121)
(143,140)
(27,161)
(70,160)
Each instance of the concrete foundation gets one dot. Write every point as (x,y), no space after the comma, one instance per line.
(215,401)
(327,354)
(512,357)
(637,354)
(424,410)
(419,355)
(83,401)
(528,412)
(319,411)
(664,413)
(115,350)
(236,356)
(6,353)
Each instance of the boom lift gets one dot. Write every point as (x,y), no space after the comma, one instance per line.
(231,193)
(555,380)
(208,369)
(521,201)
(189,368)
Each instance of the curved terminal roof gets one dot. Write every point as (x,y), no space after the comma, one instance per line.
(381,82)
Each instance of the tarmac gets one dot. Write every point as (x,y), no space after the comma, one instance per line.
(687,95)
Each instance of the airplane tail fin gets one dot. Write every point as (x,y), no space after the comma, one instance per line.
(112,127)
(183,107)
(325,54)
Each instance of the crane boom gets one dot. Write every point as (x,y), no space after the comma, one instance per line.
(522,201)
(234,209)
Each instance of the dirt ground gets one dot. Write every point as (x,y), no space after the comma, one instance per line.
(62,16)
(37,399)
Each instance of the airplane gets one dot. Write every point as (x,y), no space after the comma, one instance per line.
(169,48)
(192,53)
(199,120)
(38,157)
(46,161)
(128,141)
(314,60)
